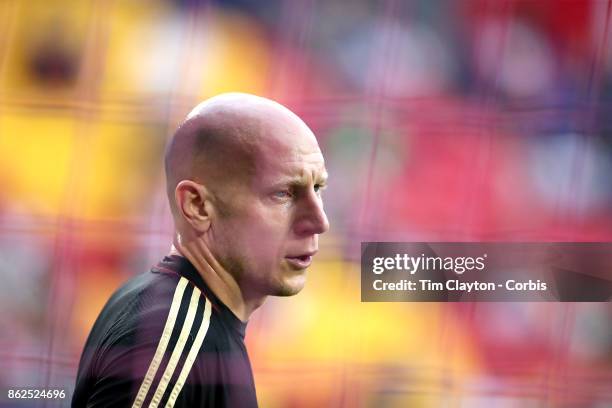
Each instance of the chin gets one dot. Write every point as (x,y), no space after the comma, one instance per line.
(290,287)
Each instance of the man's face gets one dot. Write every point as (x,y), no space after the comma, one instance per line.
(270,231)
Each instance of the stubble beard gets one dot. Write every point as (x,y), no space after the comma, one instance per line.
(281,282)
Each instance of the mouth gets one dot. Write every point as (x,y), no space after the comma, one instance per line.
(302,261)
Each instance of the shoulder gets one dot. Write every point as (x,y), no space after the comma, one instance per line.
(172,333)
(140,299)
(147,338)
(154,309)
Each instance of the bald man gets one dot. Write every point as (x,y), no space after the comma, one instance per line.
(244,177)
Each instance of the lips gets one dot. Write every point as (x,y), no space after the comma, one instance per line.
(301,261)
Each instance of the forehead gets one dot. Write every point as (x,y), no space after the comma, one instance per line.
(289,153)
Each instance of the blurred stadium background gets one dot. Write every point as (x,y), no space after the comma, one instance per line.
(440,120)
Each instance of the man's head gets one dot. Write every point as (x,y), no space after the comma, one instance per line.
(244,177)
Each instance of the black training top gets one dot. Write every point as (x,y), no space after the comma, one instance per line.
(164,339)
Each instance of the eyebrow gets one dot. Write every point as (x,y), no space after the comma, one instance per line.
(320,179)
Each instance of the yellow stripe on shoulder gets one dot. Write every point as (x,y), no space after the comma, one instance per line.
(163,343)
(178,349)
(195,348)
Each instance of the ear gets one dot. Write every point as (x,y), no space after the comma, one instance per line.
(193,203)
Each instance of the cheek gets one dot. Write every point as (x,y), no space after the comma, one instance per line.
(266,238)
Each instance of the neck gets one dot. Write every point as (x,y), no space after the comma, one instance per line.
(220,281)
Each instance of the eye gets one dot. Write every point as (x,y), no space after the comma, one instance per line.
(318,188)
(282,194)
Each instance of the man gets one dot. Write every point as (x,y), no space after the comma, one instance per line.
(244,178)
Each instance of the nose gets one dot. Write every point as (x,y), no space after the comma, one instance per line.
(311,219)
